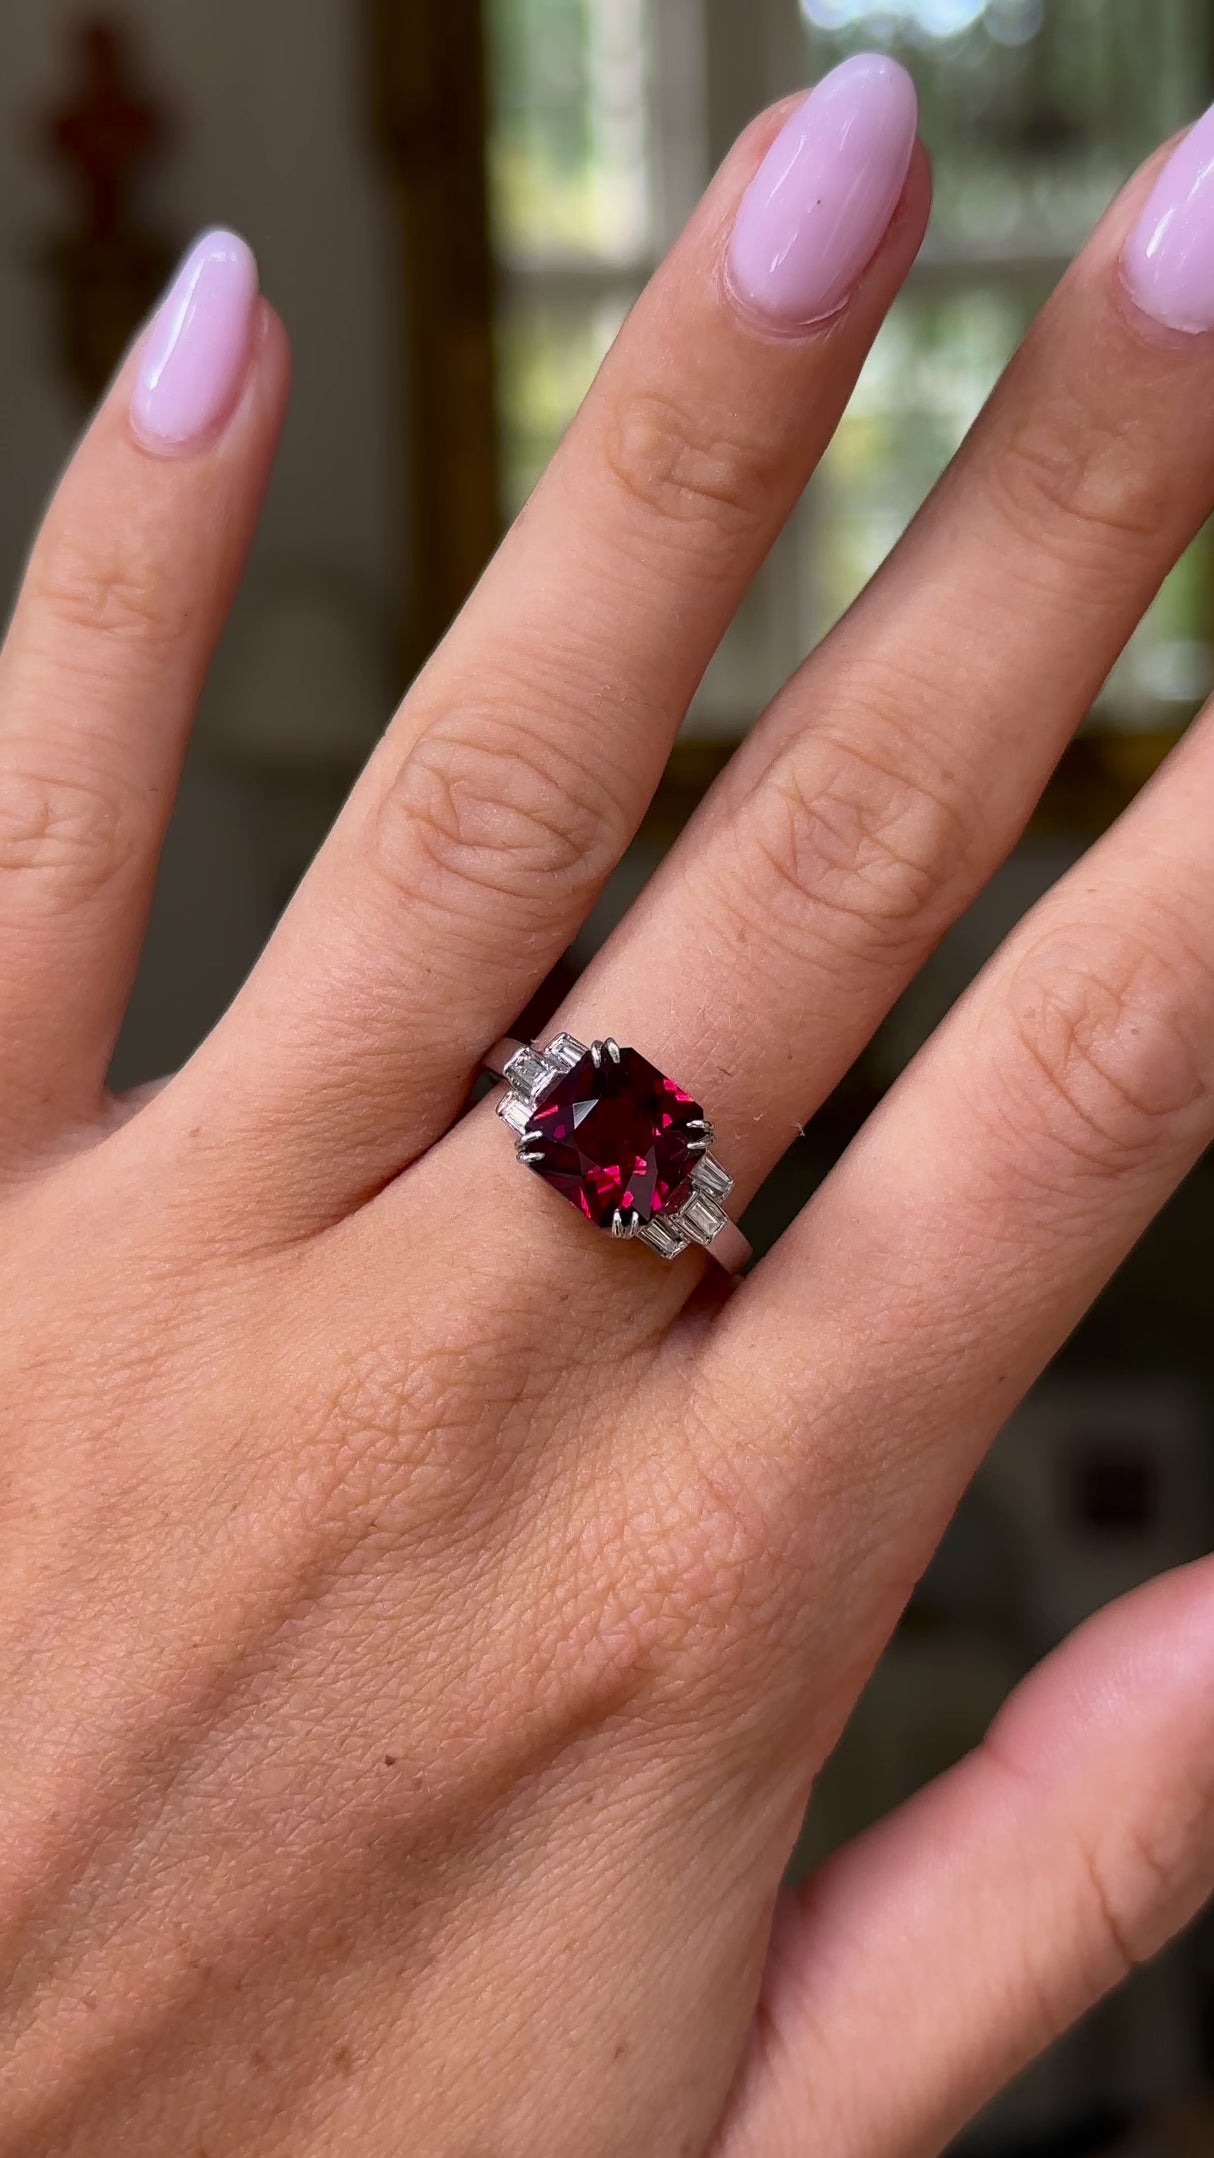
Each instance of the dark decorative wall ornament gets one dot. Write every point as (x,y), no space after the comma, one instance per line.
(108,265)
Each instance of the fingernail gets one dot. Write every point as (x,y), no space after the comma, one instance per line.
(197,349)
(813,216)
(1168,260)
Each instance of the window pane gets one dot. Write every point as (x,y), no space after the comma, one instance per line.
(548,351)
(568,133)
(1035,109)
(924,382)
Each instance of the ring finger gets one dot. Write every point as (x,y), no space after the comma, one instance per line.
(1029,1145)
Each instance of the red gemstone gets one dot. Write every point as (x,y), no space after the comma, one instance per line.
(615,1134)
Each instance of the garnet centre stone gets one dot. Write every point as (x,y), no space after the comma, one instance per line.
(616,1135)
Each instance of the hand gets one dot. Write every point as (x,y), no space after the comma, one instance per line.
(422,1618)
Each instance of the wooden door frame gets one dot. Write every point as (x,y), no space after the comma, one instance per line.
(427,63)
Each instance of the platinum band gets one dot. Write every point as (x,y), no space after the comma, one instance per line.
(700,1219)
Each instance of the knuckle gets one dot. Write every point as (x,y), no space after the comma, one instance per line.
(1095,1064)
(841,842)
(1148,1876)
(69,837)
(487,808)
(115,592)
(1115,1886)
(1074,486)
(1135,1874)
(670,463)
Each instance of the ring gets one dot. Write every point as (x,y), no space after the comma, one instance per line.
(622,1143)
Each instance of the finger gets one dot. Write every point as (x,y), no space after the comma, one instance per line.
(895,771)
(958,1938)
(524,757)
(984,1205)
(127,588)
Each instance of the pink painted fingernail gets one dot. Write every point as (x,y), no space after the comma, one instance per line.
(1168,261)
(197,349)
(813,216)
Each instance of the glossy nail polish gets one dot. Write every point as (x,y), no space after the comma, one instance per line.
(196,351)
(813,216)
(1168,261)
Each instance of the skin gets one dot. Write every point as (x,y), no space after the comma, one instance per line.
(421,1620)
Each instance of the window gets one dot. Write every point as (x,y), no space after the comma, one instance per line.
(1036,111)
(572,202)
(609,114)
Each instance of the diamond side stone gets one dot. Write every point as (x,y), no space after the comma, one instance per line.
(701,1217)
(709,1177)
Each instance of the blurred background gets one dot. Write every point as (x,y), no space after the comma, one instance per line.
(454,203)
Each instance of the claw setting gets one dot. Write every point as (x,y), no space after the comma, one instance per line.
(618,1140)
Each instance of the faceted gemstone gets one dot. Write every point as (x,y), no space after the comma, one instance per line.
(616,1135)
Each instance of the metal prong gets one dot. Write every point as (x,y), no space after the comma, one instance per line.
(613,1049)
(596,1054)
(530,1155)
(698,1123)
(699,1146)
(623,1222)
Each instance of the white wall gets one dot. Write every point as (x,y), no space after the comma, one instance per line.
(275,140)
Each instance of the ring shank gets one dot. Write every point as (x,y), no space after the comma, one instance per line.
(497,1058)
(729,1248)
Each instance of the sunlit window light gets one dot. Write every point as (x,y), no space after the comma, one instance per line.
(1009,22)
